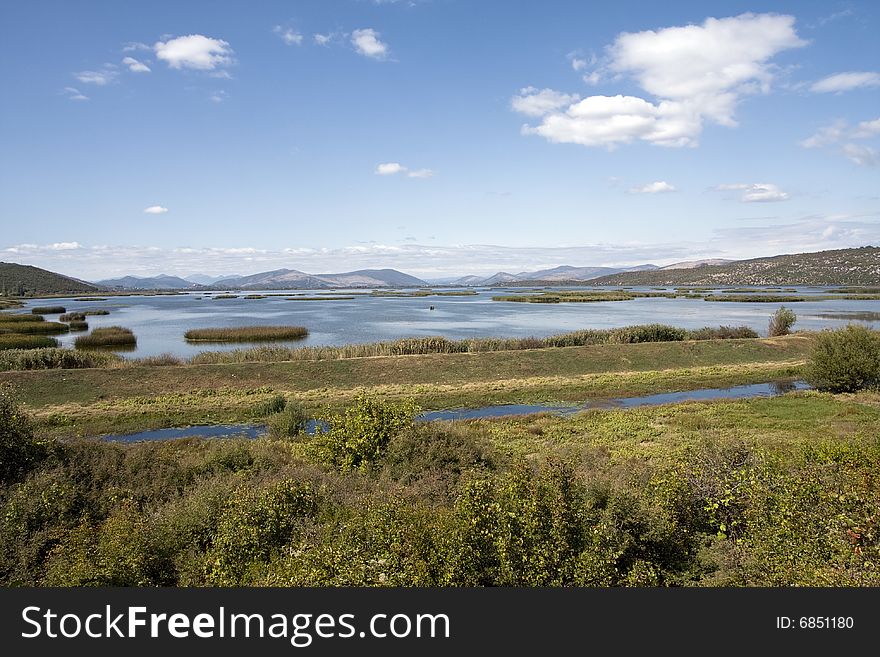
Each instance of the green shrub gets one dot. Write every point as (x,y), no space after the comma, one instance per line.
(20,452)
(290,421)
(359,436)
(845,360)
(781,322)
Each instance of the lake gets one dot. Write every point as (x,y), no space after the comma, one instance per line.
(159,322)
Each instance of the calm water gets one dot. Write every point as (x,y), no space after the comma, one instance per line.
(501,410)
(159,322)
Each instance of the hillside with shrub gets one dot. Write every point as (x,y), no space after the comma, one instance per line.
(25,280)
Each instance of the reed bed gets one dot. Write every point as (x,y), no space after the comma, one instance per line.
(109,336)
(99,311)
(7,318)
(760,298)
(77,325)
(91,299)
(254,296)
(441,345)
(48,310)
(72,317)
(19,341)
(51,357)
(565,298)
(226,296)
(35,327)
(336,298)
(247,334)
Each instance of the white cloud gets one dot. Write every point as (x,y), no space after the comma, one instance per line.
(578,64)
(135,66)
(155,209)
(288,36)
(75,94)
(322,39)
(134,46)
(840,135)
(393,168)
(533,102)
(194,51)
(100,78)
(658,187)
(64,246)
(696,73)
(756,192)
(217,96)
(389,168)
(840,82)
(368,44)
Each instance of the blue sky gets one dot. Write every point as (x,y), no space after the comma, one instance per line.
(440,137)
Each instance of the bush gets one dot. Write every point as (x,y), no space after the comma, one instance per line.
(845,360)
(359,436)
(290,421)
(19,450)
(781,322)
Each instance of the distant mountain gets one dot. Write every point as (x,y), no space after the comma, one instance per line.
(23,280)
(160,282)
(565,273)
(204,279)
(840,267)
(693,264)
(282,279)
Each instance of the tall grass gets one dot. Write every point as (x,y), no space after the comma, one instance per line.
(36,328)
(72,317)
(54,358)
(48,310)
(6,318)
(78,326)
(99,311)
(110,336)
(765,298)
(247,334)
(18,341)
(441,345)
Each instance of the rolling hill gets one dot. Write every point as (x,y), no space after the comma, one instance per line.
(859,266)
(160,282)
(25,280)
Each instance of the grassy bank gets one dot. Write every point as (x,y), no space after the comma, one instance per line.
(247,334)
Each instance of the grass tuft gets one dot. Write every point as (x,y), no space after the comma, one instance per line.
(247,334)
(110,336)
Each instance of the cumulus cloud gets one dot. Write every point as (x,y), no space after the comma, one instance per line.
(533,102)
(100,78)
(194,51)
(840,82)
(840,136)
(74,94)
(135,66)
(367,43)
(155,209)
(288,36)
(756,192)
(695,73)
(658,187)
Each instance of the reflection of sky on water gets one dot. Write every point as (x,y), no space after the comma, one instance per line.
(160,321)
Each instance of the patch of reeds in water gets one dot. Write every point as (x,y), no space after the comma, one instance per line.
(72,317)
(20,341)
(7,318)
(246,334)
(48,310)
(78,326)
(336,298)
(759,298)
(37,327)
(109,336)
(99,311)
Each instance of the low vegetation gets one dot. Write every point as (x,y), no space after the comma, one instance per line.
(99,311)
(247,334)
(48,310)
(845,360)
(333,298)
(109,336)
(226,296)
(78,326)
(8,318)
(19,341)
(72,317)
(54,358)
(35,327)
(756,298)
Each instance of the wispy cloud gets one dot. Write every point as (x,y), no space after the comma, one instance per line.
(135,66)
(844,138)
(840,82)
(394,168)
(756,192)
(658,187)
(74,94)
(322,39)
(155,209)
(100,78)
(288,35)
(367,43)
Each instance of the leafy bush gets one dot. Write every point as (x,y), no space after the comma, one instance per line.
(19,450)
(781,322)
(359,436)
(845,360)
(290,421)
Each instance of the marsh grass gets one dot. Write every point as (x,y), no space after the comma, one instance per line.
(90,299)
(560,297)
(247,334)
(19,341)
(35,327)
(254,296)
(760,298)
(54,358)
(336,298)
(855,315)
(109,336)
(7,318)
(99,311)
(226,296)
(72,317)
(48,310)
(441,345)
(78,326)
